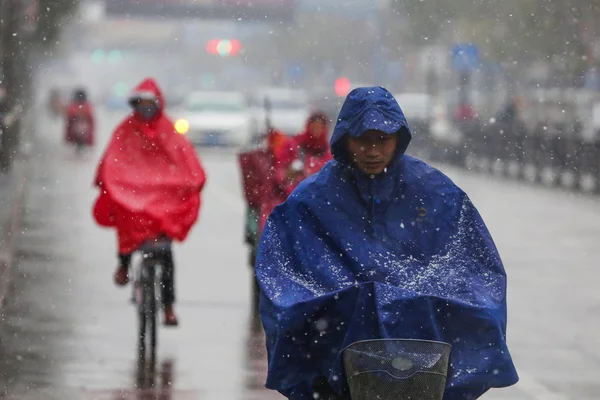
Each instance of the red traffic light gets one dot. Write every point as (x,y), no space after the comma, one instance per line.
(223,47)
(211,46)
(342,87)
(235,47)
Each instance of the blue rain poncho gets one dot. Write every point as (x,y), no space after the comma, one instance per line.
(404,254)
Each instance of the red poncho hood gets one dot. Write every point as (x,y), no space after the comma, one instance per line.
(314,143)
(150,178)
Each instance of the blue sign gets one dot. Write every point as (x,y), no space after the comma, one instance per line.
(465,57)
(295,71)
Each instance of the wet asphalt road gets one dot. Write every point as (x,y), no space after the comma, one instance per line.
(68,333)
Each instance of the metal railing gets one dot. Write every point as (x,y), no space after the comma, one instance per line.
(555,141)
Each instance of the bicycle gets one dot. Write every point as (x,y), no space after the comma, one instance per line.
(146,294)
(394,369)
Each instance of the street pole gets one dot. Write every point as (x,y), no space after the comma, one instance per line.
(9,39)
(5,12)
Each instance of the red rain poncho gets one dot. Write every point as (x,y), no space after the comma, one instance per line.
(313,142)
(75,111)
(312,148)
(257,168)
(150,179)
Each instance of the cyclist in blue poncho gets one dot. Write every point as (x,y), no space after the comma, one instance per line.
(379,245)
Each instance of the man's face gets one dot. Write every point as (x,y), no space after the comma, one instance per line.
(147,109)
(373,151)
(145,103)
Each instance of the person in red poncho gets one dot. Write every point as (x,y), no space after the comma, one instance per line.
(285,162)
(313,143)
(295,159)
(79,116)
(309,152)
(271,174)
(150,180)
(258,168)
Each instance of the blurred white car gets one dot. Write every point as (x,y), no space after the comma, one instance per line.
(416,106)
(430,114)
(442,128)
(289,110)
(214,118)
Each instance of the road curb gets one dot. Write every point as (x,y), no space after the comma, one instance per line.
(19,175)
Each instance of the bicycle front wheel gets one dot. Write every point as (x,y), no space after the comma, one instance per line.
(147,314)
(142,324)
(151,318)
